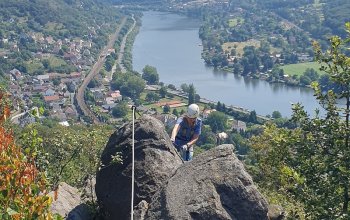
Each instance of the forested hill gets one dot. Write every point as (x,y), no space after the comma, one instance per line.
(336,14)
(58,18)
(319,17)
(151,3)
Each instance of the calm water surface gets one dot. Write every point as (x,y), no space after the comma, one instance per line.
(170,42)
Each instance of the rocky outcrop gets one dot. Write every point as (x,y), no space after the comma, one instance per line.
(214,185)
(156,160)
(69,204)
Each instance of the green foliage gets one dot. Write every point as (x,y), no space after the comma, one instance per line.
(24,186)
(166,109)
(129,84)
(175,112)
(276,114)
(93,83)
(252,117)
(150,74)
(152,97)
(217,121)
(163,92)
(312,162)
(73,152)
(191,94)
(109,63)
(120,110)
(185,88)
(207,139)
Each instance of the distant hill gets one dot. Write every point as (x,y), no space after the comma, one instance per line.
(318,17)
(336,14)
(139,2)
(59,18)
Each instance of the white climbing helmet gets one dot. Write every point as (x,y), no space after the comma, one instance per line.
(193,111)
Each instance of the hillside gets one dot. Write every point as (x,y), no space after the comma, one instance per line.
(321,18)
(61,18)
(29,29)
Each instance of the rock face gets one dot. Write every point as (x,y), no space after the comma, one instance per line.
(69,203)
(214,185)
(156,160)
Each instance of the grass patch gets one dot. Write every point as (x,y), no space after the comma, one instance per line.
(235,21)
(299,69)
(52,26)
(34,67)
(240,46)
(56,61)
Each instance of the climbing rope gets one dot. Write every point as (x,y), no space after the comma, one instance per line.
(133,161)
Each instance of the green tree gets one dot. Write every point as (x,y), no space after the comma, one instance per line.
(252,117)
(185,88)
(93,83)
(56,81)
(120,110)
(171,86)
(175,112)
(217,121)
(191,94)
(312,162)
(166,108)
(150,74)
(152,97)
(129,84)
(197,98)
(182,112)
(163,92)
(276,114)
(46,63)
(311,74)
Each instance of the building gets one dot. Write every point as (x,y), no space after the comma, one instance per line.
(16,74)
(239,125)
(51,99)
(43,78)
(49,92)
(207,112)
(116,95)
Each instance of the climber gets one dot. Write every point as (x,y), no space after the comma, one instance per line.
(186,132)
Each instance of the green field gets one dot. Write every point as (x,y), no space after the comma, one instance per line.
(239,46)
(235,21)
(33,66)
(56,61)
(299,69)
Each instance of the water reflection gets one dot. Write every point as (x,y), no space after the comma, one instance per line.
(237,77)
(218,73)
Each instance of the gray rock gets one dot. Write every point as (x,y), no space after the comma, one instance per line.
(156,160)
(214,185)
(276,212)
(69,204)
(141,210)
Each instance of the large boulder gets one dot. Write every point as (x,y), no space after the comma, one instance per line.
(69,203)
(156,160)
(214,185)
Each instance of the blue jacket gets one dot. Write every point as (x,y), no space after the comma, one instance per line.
(186,132)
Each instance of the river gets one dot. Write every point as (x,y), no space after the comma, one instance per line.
(170,43)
